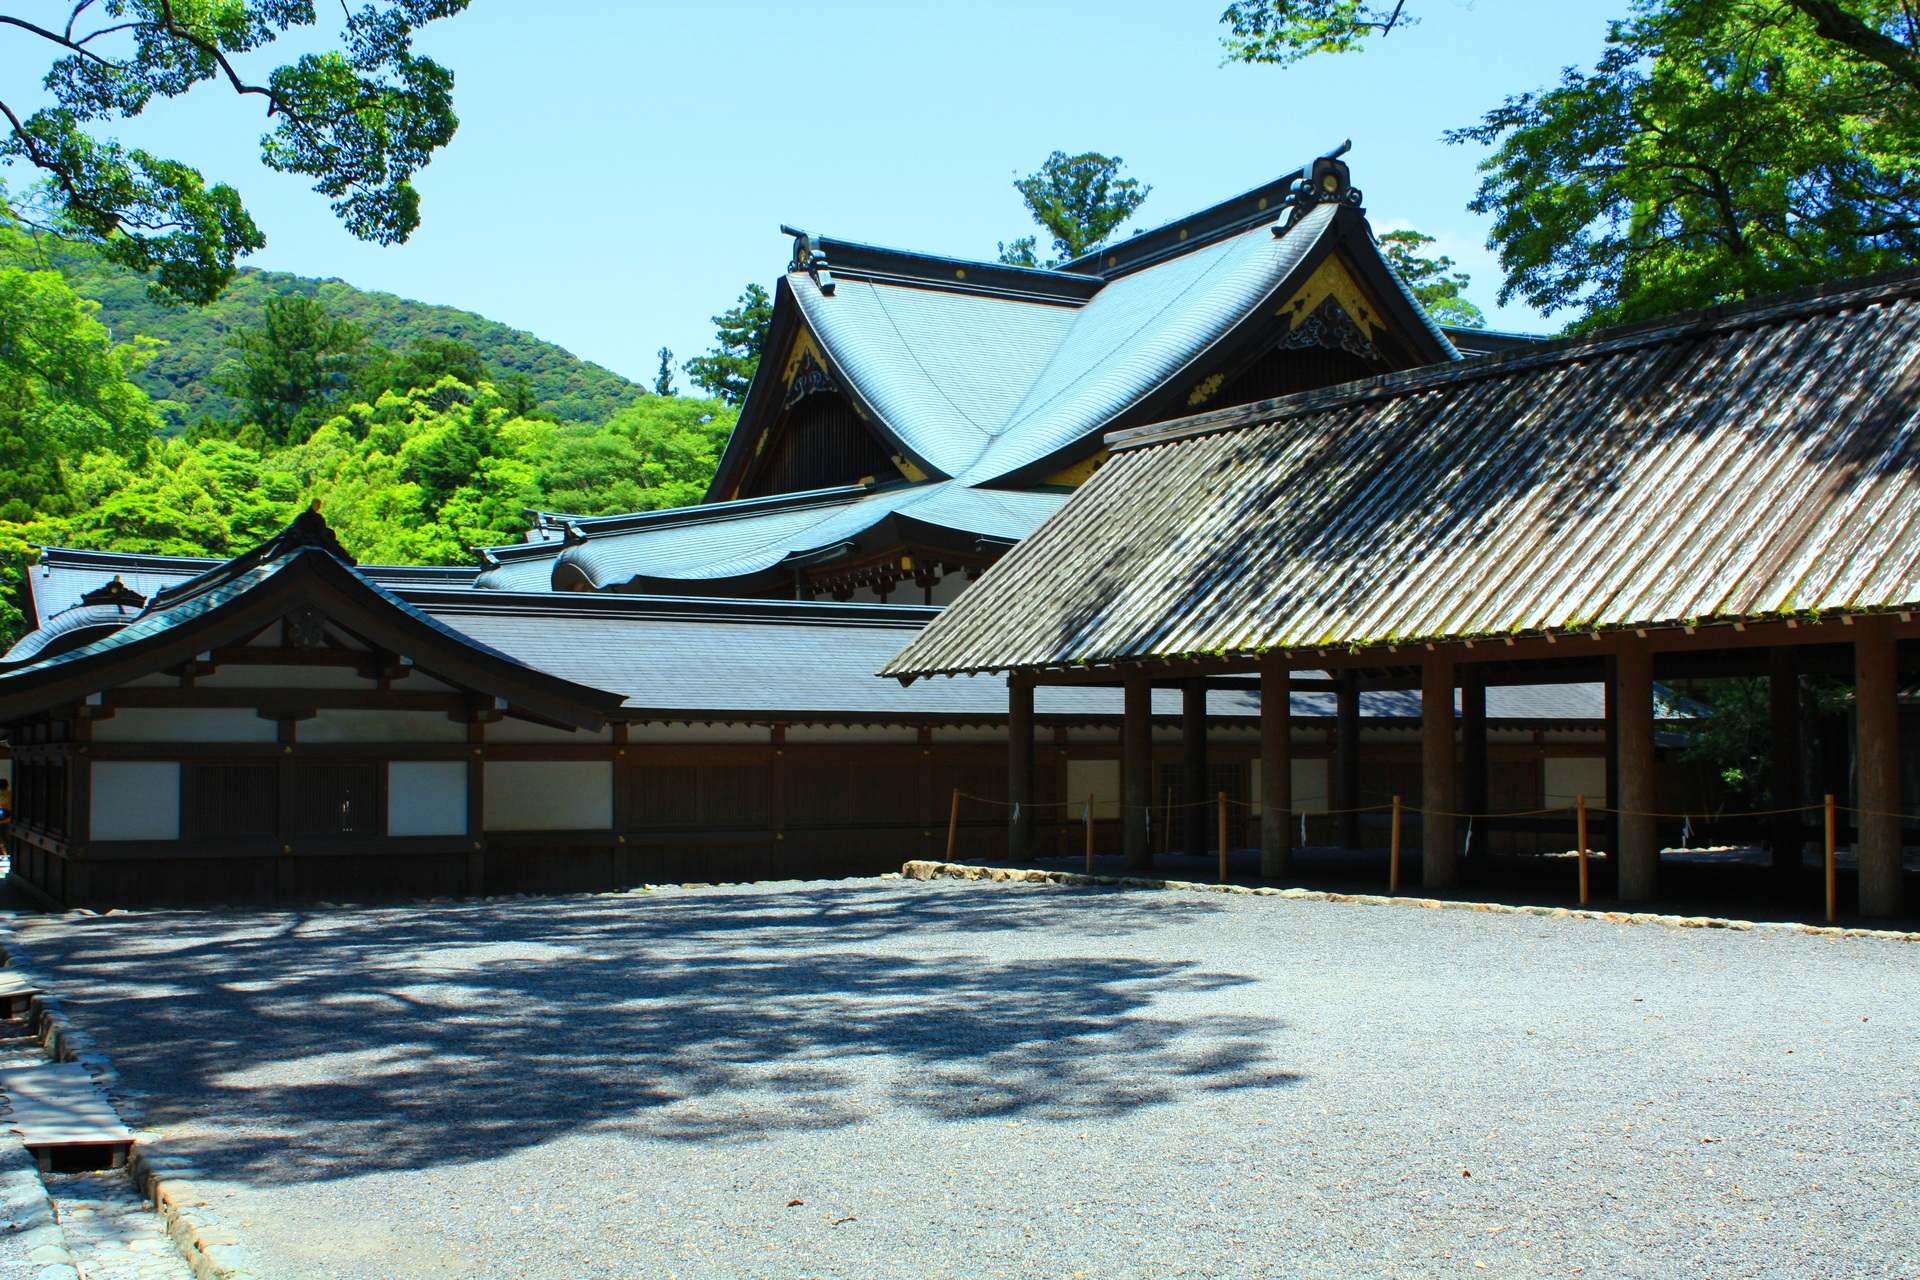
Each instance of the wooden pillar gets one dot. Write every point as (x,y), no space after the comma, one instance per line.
(1020,767)
(1136,772)
(1473,746)
(1276,767)
(1343,785)
(1610,688)
(476,809)
(1193,766)
(623,824)
(1786,831)
(1439,854)
(1637,837)
(1876,684)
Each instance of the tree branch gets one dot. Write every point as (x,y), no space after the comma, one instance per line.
(1842,27)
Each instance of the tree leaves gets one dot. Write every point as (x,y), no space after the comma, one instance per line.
(727,371)
(359,120)
(1079,200)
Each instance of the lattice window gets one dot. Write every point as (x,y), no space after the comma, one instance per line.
(335,798)
(229,799)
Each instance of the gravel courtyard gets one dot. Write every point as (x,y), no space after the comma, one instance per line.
(948,1079)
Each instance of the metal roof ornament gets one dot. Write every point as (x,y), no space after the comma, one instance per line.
(809,257)
(810,377)
(1328,182)
(115,593)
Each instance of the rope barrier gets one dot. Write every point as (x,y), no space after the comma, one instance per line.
(1256,807)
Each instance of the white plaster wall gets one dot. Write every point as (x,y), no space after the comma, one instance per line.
(1098,778)
(250,677)
(699,733)
(549,795)
(512,730)
(852,733)
(426,797)
(185,724)
(136,800)
(335,725)
(1563,779)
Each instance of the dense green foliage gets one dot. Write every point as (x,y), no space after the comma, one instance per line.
(185,371)
(727,371)
(1432,280)
(1719,149)
(359,120)
(415,455)
(1079,200)
(1716,152)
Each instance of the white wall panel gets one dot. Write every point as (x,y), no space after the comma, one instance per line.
(136,799)
(334,725)
(549,795)
(185,724)
(1098,778)
(427,798)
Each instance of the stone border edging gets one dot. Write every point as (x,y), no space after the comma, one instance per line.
(920,870)
(210,1250)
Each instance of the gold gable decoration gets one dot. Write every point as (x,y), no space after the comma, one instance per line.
(1079,473)
(1332,280)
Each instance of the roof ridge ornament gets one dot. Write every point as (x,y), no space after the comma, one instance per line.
(115,593)
(809,257)
(1328,182)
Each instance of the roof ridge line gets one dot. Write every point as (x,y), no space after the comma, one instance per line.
(1807,300)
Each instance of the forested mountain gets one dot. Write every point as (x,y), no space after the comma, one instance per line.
(182,372)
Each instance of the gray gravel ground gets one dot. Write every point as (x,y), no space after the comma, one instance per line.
(970,1080)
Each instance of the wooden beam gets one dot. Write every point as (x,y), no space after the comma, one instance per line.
(1344,769)
(1787,831)
(333,699)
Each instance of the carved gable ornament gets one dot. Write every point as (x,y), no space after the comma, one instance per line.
(307,628)
(809,377)
(1328,325)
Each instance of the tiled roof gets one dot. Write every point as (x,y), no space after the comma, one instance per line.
(736,539)
(1750,462)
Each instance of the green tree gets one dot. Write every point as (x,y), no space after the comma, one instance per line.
(727,371)
(64,390)
(1079,200)
(663,380)
(291,367)
(1719,149)
(1431,280)
(358,120)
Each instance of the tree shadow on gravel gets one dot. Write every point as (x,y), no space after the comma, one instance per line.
(327,1045)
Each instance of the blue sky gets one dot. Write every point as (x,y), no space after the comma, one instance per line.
(622,169)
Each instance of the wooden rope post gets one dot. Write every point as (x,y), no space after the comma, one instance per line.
(953,824)
(1223,837)
(1833,879)
(1580,806)
(1393,858)
(1089,833)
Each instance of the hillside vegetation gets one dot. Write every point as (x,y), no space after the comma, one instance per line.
(183,371)
(416,452)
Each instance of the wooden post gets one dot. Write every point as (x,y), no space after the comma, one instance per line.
(1833,880)
(1193,766)
(1136,772)
(1276,767)
(953,824)
(1393,858)
(1580,807)
(1439,857)
(1876,710)
(1020,767)
(1089,833)
(1223,837)
(1636,839)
